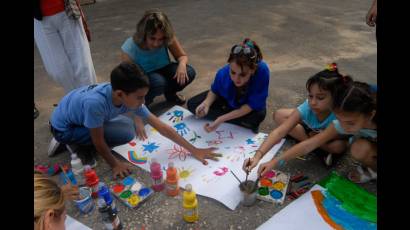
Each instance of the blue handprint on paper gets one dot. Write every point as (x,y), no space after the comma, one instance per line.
(176,116)
(182,129)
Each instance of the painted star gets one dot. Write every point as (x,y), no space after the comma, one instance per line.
(250,141)
(150,147)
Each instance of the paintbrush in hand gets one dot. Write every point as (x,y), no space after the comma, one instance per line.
(247,170)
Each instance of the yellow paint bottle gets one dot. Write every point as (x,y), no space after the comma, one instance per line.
(190,204)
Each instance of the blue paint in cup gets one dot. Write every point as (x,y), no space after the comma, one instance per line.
(128,181)
(144,192)
(276,194)
(86,204)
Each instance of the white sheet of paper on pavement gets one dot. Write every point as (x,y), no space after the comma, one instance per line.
(300,214)
(213,180)
(73,224)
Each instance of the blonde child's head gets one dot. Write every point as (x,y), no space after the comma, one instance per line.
(49,208)
(154,29)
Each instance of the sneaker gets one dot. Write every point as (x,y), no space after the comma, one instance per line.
(54,147)
(87,157)
(328,159)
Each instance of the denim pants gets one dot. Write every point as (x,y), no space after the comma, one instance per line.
(117,131)
(161,81)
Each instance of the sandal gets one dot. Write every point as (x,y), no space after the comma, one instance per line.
(364,177)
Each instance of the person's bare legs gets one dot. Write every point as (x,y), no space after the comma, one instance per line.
(364,152)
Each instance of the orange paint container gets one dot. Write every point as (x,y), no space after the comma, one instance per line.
(171,182)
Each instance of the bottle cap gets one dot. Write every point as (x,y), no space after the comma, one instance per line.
(188,188)
(171,164)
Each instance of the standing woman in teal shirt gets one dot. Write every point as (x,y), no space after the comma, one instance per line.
(149,49)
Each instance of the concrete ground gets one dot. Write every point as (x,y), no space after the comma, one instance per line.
(297,39)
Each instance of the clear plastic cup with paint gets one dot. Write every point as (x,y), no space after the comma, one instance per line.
(249,191)
(85,204)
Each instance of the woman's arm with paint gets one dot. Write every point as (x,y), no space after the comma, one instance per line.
(170,133)
(300,149)
(179,54)
(203,108)
(242,111)
(119,168)
(274,137)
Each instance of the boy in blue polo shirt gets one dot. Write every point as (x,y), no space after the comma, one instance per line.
(239,92)
(95,115)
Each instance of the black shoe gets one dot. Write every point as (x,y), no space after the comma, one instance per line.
(87,156)
(175,98)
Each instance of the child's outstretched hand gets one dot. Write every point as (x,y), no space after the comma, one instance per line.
(202,110)
(266,167)
(70,192)
(208,153)
(121,170)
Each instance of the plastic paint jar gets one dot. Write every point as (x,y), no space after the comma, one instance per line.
(249,190)
(86,204)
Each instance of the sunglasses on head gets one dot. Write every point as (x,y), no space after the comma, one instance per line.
(237,49)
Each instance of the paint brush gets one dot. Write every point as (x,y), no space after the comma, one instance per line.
(256,183)
(65,175)
(236,177)
(247,171)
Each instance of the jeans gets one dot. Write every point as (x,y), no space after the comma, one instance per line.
(221,107)
(162,82)
(117,131)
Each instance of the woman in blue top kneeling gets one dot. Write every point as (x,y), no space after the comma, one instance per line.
(149,49)
(239,91)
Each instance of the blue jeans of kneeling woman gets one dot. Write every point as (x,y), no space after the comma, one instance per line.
(162,82)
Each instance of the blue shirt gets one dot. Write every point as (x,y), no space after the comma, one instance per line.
(89,106)
(148,60)
(258,87)
(310,119)
(363,133)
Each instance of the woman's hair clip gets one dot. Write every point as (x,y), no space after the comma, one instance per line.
(250,44)
(331,67)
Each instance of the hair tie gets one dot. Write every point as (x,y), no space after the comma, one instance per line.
(331,67)
(250,44)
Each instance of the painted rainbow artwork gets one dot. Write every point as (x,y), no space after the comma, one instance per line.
(133,157)
(344,205)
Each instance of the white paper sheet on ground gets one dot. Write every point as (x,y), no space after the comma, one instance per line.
(213,180)
(300,214)
(73,224)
